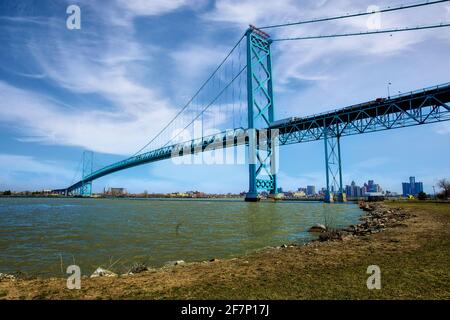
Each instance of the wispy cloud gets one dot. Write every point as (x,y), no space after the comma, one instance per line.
(41,21)
(20,163)
(27,172)
(255,12)
(110,72)
(150,8)
(113,132)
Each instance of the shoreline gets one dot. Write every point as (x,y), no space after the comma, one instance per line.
(386,228)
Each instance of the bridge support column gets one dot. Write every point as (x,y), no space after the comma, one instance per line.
(252,194)
(262,147)
(333,167)
(88,164)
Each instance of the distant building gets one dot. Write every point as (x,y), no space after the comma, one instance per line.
(116,192)
(311,190)
(412,187)
(355,191)
(323,191)
(375,196)
(299,194)
(391,194)
(363,190)
(371,186)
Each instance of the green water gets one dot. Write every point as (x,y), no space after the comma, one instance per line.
(36,232)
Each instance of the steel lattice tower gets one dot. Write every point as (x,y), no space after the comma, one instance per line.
(260,104)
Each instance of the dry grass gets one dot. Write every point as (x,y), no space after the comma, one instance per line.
(413,256)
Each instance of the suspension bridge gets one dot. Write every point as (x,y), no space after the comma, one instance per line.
(239,95)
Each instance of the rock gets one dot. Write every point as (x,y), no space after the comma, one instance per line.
(347,237)
(331,235)
(174,263)
(318,228)
(100,272)
(284,246)
(5,276)
(214,260)
(368,208)
(138,268)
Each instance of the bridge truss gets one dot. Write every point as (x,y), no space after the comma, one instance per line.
(425,106)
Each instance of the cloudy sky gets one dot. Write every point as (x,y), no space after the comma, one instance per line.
(110,86)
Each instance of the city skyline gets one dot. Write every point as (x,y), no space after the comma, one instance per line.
(114,98)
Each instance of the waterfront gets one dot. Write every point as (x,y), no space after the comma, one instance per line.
(36,232)
(412,252)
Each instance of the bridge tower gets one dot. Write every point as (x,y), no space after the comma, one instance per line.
(333,165)
(88,165)
(260,104)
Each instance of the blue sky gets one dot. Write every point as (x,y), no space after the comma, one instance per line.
(112,85)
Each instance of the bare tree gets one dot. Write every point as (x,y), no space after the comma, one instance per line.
(444,184)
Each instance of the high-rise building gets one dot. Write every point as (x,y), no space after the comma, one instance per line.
(412,187)
(311,190)
(302,190)
(353,191)
(372,186)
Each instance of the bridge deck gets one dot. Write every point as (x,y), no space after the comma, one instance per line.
(418,107)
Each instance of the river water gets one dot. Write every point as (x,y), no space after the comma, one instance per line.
(40,236)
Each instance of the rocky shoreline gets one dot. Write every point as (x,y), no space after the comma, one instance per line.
(377,218)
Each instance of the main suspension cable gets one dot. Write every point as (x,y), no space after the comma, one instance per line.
(359,14)
(442,25)
(193,97)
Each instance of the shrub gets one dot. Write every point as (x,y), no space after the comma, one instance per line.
(422,196)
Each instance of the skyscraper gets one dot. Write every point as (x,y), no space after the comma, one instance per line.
(353,190)
(310,190)
(412,187)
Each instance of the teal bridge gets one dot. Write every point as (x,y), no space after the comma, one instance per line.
(239,95)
